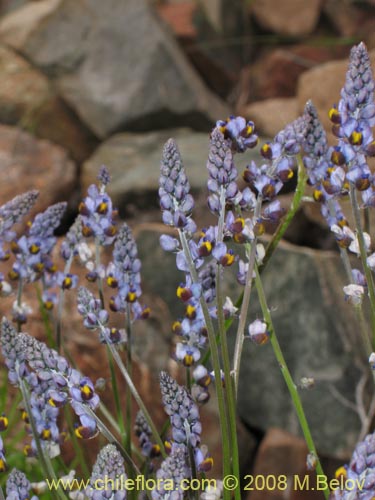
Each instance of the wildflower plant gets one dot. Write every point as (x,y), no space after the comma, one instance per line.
(59,404)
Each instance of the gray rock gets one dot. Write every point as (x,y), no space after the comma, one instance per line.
(317,332)
(134,162)
(319,336)
(113,62)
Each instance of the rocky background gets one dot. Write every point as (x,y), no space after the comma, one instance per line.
(91,82)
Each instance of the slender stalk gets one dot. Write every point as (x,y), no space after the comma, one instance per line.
(193,494)
(293,391)
(19,301)
(215,363)
(228,389)
(120,418)
(97,264)
(136,396)
(296,202)
(358,308)
(240,336)
(363,253)
(128,393)
(108,416)
(77,448)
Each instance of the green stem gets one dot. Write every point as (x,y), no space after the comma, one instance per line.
(240,336)
(128,441)
(231,402)
(293,391)
(296,202)
(135,393)
(120,418)
(363,252)
(19,301)
(215,363)
(77,448)
(97,264)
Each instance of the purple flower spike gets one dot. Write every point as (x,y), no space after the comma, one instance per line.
(222,172)
(359,476)
(176,201)
(182,410)
(109,471)
(18,487)
(174,469)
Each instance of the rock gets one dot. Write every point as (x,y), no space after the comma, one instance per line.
(271,115)
(295,18)
(179,16)
(28,100)
(27,163)
(275,73)
(317,331)
(112,77)
(350,18)
(323,84)
(134,163)
(280,455)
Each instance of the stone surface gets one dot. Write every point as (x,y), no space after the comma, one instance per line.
(317,332)
(134,163)
(322,84)
(351,18)
(179,16)
(275,72)
(279,454)
(112,77)
(27,99)
(271,115)
(27,163)
(293,17)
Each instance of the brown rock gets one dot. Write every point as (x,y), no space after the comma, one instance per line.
(280,454)
(271,115)
(322,85)
(276,72)
(291,17)
(27,163)
(28,100)
(179,16)
(351,18)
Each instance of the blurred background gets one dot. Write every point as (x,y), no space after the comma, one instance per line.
(91,82)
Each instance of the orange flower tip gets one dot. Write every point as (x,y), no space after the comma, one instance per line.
(131,297)
(188,360)
(45,434)
(318,195)
(102,208)
(4,422)
(334,115)
(341,472)
(206,465)
(112,282)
